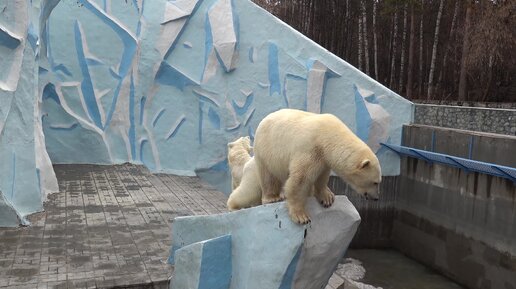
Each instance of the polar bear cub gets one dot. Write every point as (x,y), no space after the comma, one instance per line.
(296,150)
(239,153)
(248,193)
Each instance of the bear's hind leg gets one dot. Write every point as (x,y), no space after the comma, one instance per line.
(323,194)
(270,185)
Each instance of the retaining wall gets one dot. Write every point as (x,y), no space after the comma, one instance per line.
(502,121)
(503,105)
(376,226)
(462,224)
(479,146)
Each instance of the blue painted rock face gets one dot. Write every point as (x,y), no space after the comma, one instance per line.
(267,249)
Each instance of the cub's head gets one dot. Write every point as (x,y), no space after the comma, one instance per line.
(366,177)
(241,144)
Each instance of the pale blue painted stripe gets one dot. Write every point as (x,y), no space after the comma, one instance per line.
(274,78)
(214,118)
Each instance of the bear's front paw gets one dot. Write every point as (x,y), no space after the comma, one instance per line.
(326,199)
(299,216)
(272,199)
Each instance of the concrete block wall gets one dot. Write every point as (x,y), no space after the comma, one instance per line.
(461,224)
(376,226)
(485,147)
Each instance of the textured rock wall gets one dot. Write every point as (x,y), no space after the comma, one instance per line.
(502,121)
(168,84)
(26,175)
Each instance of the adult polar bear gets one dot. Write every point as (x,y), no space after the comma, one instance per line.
(297,150)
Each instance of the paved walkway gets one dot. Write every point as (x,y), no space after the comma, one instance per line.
(107,227)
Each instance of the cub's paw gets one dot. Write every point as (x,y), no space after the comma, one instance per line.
(272,199)
(299,216)
(326,198)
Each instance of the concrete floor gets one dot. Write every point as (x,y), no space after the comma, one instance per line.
(108,226)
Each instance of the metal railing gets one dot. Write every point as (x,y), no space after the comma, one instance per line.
(461,163)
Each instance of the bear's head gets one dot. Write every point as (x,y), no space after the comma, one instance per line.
(366,177)
(241,143)
(239,151)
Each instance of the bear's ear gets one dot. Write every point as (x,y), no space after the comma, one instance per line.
(230,145)
(364,164)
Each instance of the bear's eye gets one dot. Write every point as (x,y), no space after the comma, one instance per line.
(375,183)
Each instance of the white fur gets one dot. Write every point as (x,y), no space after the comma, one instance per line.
(297,150)
(239,152)
(248,193)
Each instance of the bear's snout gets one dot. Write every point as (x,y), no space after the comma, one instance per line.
(368,197)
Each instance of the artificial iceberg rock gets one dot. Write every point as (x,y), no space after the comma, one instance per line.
(223,34)
(204,265)
(8,215)
(268,250)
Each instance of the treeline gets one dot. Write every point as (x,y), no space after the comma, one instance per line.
(423,49)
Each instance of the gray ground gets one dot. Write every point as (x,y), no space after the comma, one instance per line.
(108,226)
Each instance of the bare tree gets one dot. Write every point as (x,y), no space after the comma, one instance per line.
(403,40)
(360,43)
(411,53)
(448,46)
(434,51)
(393,59)
(348,34)
(375,41)
(366,42)
(465,50)
(421,84)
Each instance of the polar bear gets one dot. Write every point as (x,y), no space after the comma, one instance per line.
(297,150)
(239,152)
(248,193)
